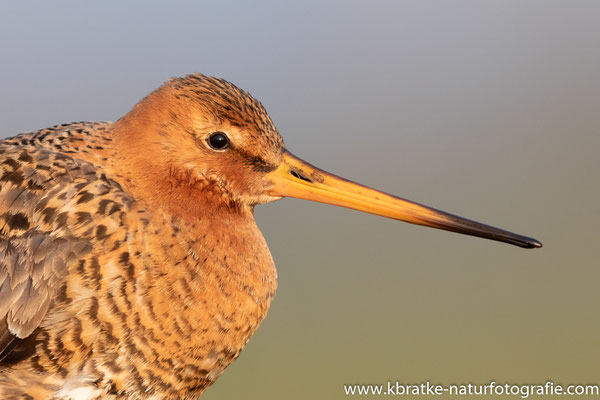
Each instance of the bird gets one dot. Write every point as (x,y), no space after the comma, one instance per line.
(131,266)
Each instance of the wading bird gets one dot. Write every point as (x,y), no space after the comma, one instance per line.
(130,263)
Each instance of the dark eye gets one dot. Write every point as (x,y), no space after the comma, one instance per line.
(218,141)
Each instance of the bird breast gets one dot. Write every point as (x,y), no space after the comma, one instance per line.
(200,290)
(171,303)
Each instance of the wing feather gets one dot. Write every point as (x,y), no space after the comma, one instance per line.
(40,238)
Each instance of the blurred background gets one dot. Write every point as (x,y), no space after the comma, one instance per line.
(490,110)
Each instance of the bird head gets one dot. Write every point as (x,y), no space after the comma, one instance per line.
(201,144)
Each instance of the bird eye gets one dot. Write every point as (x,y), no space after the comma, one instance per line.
(218,141)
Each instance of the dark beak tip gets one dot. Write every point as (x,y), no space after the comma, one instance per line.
(533,244)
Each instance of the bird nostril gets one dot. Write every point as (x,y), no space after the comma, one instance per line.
(300,175)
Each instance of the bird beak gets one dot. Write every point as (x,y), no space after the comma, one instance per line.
(297,178)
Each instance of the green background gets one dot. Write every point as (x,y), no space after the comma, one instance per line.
(490,110)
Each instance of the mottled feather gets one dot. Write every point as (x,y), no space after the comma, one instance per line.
(37,245)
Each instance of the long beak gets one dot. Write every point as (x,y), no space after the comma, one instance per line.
(296,178)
